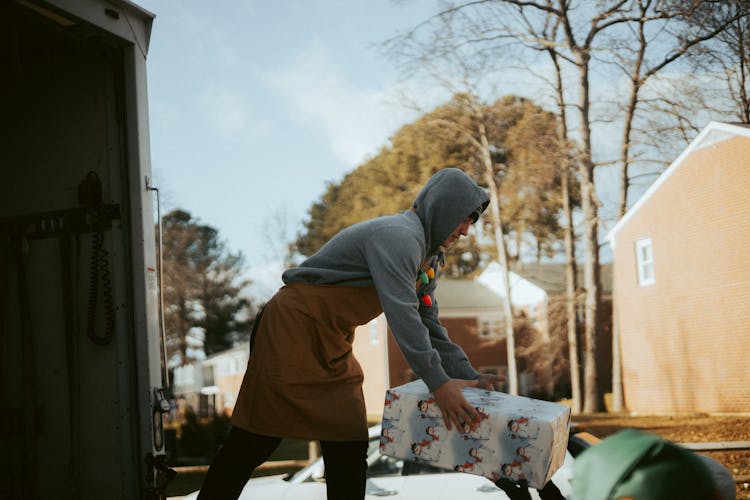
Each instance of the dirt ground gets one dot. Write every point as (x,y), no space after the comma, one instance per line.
(697,428)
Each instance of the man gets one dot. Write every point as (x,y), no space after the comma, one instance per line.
(302,379)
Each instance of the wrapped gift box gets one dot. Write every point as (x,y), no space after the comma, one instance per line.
(515,437)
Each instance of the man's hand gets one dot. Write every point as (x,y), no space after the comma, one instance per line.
(453,405)
(487,381)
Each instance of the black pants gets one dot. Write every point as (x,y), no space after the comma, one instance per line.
(243,452)
(521,491)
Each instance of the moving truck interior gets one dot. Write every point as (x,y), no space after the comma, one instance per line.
(81,351)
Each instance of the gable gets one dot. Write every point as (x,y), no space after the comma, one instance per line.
(713,134)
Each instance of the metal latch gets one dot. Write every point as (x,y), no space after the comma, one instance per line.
(160,401)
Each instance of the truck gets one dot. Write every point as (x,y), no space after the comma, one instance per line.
(82,349)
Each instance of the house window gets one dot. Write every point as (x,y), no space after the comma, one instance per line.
(644,255)
(208,376)
(184,375)
(207,405)
(374,337)
(490,328)
(222,367)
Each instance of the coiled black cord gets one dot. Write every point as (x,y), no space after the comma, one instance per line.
(99,266)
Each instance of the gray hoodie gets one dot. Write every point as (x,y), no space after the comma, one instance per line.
(388,252)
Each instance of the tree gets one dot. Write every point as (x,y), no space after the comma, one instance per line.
(641,53)
(576,36)
(542,346)
(726,57)
(389,182)
(547,34)
(385,184)
(509,142)
(735,39)
(203,304)
(226,313)
(581,38)
(508,153)
(484,30)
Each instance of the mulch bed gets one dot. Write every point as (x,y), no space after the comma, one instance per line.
(696,428)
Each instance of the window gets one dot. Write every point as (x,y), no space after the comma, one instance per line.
(207,405)
(222,367)
(374,337)
(491,328)
(208,376)
(184,375)
(644,255)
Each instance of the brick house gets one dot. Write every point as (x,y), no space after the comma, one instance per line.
(470,310)
(682,281)
(472,314)
(211,386)
(371,345)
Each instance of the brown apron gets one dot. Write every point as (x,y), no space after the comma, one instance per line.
(302,379)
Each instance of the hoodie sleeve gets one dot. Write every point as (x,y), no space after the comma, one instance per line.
(393,256)
(454,359)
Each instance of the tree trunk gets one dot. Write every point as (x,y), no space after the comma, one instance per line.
(618,398)
(570,298)
(183,329)
(636,82)
(571,273)
(592,399)
(549,385)
(503,258)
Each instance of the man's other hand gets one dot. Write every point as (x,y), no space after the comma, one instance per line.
(454,407)
(489,382)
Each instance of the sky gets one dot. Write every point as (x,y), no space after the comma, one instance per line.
(255,105)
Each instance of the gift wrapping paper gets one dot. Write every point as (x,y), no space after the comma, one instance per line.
(515,437)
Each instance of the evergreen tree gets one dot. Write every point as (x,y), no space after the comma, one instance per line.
(203,303)
(522,139)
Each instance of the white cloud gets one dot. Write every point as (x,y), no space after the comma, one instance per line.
(355,121)
(229,113)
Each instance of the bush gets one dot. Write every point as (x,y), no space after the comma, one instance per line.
(198,441)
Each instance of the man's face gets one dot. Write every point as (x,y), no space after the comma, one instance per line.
(461,230)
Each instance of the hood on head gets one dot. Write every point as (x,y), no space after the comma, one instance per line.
(448,198)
